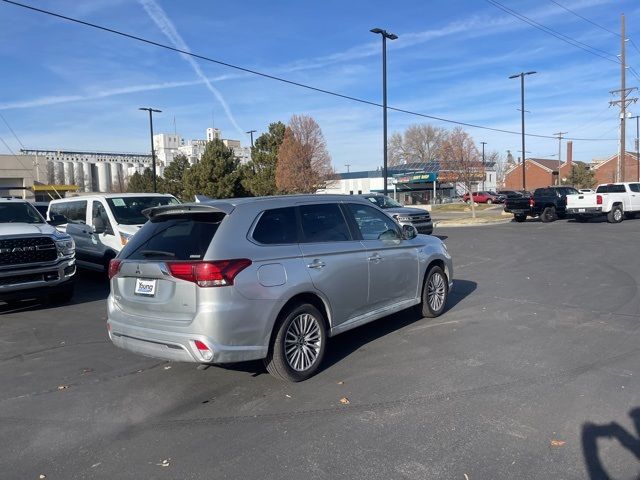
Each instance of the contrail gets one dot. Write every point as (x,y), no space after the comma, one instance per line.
(160,18)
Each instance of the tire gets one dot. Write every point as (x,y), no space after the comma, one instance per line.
(548,214)
(615,215)
(293,367)
(582,219)
(489,202)
(520,218)
(435,292)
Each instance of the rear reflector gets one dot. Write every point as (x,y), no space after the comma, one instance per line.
(219,273)
(200,346)
(599,199)
(114,267)
(204,351)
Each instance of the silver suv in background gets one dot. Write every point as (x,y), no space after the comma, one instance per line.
(419,218)
(36,261)
(268,278)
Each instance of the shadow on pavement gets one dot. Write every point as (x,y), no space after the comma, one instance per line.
(590,435)
(89,287)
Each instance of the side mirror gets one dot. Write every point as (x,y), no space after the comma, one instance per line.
(409,232)
(57,219)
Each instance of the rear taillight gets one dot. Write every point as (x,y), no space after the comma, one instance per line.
(114,267)
(599,199)
(219,273)
(203,350)
(532,202)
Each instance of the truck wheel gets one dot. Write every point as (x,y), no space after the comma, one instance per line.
(615,215)
(298,345)
(519,218)
(548,214)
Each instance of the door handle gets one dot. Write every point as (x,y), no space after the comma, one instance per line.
(375,258)
(316,264)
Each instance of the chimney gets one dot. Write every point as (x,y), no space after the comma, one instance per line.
(569,153)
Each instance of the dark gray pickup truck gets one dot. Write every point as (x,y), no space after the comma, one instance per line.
(36,261)
(549,203)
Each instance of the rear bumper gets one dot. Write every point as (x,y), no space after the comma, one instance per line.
(177,343)
(585,211)
(36,281)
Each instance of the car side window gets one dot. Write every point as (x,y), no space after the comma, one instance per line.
(58,209)
(277,227)
(323,223)
(635,187)
(77,212)
(373,224)
(98,211)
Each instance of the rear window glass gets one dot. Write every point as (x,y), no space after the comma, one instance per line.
(324,223)
(277,226)
(179,237)
(611,189)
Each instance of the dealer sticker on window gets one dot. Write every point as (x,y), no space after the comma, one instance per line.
(145,287)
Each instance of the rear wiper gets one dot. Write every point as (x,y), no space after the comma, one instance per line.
(157,253)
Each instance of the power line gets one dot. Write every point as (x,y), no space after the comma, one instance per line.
(560,36)
(279,79)
(11,130)
(14,154)
(585,19)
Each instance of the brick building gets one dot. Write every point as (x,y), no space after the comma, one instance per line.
(605,172)
(540,172)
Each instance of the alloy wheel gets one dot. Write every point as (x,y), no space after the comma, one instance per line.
(302,342)
(436,292)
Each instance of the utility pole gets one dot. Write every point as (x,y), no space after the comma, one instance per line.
(153,151)
(522,75)
(251,132)
(347,165)
(484,173)
(559,135)
(624,102)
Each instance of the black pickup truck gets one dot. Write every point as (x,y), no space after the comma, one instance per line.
(549,203)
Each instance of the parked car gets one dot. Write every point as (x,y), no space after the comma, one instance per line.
(548,203)
(268,278)
(482,197)
(101,224)
(615,200)
(419,218)
(35,259)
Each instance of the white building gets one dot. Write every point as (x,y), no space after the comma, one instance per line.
(166,147)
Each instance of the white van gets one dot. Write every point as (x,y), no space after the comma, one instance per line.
(102,223)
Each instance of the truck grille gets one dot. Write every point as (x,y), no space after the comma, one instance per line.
(420,218)
(17,251)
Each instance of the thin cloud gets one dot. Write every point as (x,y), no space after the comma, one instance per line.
(167,27)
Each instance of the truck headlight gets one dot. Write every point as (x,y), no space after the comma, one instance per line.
(65,247)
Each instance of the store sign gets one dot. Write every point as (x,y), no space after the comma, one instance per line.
(417,178)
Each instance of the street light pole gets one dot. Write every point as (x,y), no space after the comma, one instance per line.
(251,132)
(153,151)
(637,117)
(391,36)
(522,75)
(484,172)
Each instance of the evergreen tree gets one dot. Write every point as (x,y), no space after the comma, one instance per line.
(174,173)
(581,176)
(216,175)
(142,183)
(260,173)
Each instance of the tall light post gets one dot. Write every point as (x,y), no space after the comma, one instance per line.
(484,172)
(153,151)
(522,75)
(637,117)
(391,36)
(251,132)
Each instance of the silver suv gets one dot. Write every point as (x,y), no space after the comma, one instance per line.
(268,278)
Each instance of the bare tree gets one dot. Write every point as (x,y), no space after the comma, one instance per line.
(461,157)
(418,144)
(304,164)
(500,166)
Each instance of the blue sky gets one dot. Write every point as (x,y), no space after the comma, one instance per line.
(68,86)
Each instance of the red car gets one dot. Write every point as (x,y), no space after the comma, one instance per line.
(482,197)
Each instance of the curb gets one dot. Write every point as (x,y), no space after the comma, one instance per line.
(456,225)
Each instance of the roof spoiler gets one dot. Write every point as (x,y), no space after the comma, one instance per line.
(183,208)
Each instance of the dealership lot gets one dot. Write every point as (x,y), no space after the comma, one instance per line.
(540,341)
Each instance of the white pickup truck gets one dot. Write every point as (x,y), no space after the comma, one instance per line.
(615,200)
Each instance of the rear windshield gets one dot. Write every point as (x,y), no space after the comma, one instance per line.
(177,237)
(128,210)
(19,212)
(610,189)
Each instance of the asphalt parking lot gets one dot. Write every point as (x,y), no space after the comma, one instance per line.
(531,373)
